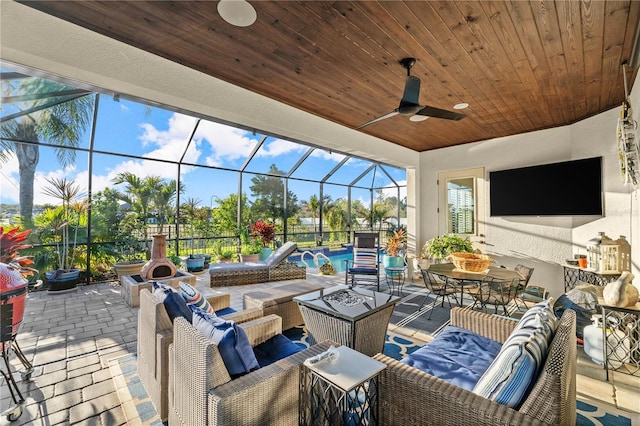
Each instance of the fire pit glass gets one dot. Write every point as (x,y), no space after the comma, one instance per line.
(345,299)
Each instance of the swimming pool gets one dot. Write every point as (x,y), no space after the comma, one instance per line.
(337,259)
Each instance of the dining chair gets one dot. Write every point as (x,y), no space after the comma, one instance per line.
(496,292)
(438,288)
(526,273)
(365,266)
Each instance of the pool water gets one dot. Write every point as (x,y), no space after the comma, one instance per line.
(337,260)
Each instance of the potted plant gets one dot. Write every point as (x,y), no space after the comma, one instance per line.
(226,255)
(327,268)
(65,222)
(250,251)
(130,252)
(266,233)
(131,257)
(438,248)
(394,250)
(11,242)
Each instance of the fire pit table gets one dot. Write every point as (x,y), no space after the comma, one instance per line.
(350,316)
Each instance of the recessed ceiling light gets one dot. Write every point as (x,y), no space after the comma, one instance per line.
(461,105)
(237,12)
(418,117)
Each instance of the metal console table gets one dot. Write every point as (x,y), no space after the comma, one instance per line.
(573,274)
(621,337)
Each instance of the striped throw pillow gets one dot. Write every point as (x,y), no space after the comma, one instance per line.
(193,296)
(365,258)
(513,372)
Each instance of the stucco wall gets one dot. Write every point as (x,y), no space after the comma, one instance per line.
(542,242)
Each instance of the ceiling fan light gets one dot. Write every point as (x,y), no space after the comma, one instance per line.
(237,12)
(418,117)
(461,105)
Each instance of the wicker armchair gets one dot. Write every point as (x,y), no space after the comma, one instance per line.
(409,396)
(155,334)
(202,393)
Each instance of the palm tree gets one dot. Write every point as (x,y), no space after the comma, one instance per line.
(138,194)
(45,111)
(314,205)
(162,199)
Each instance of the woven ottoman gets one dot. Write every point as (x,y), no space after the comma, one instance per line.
(279,301)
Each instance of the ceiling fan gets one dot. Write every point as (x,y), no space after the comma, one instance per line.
(409,104)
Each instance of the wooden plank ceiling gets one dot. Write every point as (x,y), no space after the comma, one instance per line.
(521,65)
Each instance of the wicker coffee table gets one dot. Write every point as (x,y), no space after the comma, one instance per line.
(353,317)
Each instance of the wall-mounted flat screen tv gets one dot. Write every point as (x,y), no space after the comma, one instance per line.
(569,188)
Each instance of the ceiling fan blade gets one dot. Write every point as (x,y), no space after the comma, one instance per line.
(391,114)
(411,95)
(440,113)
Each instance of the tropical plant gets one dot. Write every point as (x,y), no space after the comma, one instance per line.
(265,231)
(254,246)
(52,114)
(441,246)
(144,195)
(11,242)
(396,242)
(69,215)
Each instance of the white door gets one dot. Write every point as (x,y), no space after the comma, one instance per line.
(461,204)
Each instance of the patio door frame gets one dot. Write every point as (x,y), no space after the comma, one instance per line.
(479,214)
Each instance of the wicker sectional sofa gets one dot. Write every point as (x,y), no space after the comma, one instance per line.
(409,396)
(201,391)
(274,268)
(155,334)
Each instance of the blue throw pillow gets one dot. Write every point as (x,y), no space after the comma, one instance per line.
(232,341)
(173,302)
(275,349)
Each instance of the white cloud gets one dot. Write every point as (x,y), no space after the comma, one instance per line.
(172,142)
(277,147)
(227,143)
(9,184)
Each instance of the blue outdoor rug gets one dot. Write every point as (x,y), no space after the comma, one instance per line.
(139,409)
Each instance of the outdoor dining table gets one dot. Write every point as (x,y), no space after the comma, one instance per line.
(464,278)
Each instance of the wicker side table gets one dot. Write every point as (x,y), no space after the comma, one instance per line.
(361,325)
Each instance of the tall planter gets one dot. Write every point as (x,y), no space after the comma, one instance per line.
(392,261)
(265,252)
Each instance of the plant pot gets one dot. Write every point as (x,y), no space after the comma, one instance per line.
(265,252)
(206,257)
(128,268)
(392,261)
(250,257)
(60,280)
(195,263)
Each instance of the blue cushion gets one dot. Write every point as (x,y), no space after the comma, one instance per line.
(225,311)
(275,349)
(232,342)
(173,302)
(456,355)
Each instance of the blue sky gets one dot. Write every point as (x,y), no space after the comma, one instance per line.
(134,129)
